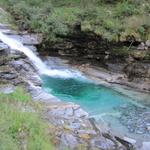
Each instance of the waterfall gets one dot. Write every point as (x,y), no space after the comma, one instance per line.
(39,64)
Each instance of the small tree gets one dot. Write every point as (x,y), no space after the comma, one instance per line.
(144,31)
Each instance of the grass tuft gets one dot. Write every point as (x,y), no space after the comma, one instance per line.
(21,129)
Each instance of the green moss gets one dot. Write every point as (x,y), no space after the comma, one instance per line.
(147,56)
(122,52)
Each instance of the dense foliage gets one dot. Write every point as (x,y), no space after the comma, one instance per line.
(36,16)
(113,19)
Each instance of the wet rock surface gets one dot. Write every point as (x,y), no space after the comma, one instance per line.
(120,74)
(69,125)
(137,70)
(81,46)
(88,48)
(27,39)
(76,132)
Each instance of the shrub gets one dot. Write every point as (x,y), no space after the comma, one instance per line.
(125,9)
(89,13)
(144,29)
(106,17)
(37,16)
(147,8)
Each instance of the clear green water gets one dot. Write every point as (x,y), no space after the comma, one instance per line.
(96,99)
(99,101)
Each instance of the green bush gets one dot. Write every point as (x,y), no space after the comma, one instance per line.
(5,17)
(147,8)
(125,9)
(89,13)
(37,16)
(110,18)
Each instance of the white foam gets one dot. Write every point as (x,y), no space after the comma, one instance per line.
(42,68)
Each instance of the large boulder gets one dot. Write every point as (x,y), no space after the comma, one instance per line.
(147,43)
(4,51)
(28,39)
(138,55)
(137,70)
(84,45)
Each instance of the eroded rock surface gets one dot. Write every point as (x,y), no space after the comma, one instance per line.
(69,125)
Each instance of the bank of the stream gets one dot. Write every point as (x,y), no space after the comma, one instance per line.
(65,116)
(113,20)
(21,125)
(124,64)
(92,97)
(69,125)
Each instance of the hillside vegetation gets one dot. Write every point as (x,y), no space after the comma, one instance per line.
(113,19)
(5,18)
(21,126)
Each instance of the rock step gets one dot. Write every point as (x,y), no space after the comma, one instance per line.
(28,39)
(4,26)
(8,31)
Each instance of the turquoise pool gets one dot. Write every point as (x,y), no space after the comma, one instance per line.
(102,103)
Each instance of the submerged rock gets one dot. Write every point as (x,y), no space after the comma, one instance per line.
(136,119)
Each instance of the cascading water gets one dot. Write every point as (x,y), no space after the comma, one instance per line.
(104,104)
(42,68)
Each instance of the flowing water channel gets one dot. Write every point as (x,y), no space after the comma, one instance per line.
(121,113)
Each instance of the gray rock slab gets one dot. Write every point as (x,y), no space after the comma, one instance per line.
(3,46)
(8,89)
(29,39)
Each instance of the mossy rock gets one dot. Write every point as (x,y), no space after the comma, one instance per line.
(120,51)
(140,55)
(5,59)
(147,56)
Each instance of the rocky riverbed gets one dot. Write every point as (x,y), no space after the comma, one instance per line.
(136,119)
(124,64)
(69,124)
